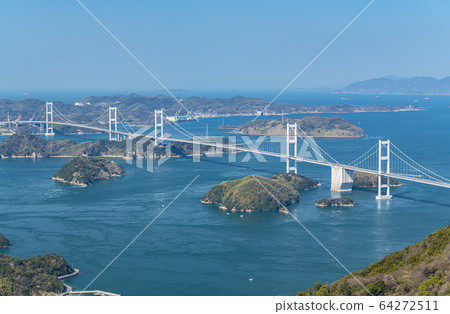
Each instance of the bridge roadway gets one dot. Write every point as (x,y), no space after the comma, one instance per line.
(236,147)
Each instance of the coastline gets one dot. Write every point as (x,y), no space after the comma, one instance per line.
(69,182)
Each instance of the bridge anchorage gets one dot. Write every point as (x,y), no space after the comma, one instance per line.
(342,178)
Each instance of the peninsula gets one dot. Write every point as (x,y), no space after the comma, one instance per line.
(248,194)
(32,276)
(87,170)
(22,145)
(419,269)
(312,125)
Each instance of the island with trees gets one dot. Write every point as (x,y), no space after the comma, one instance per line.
(257,193)
(312,126)
(420,269)
(32,276)
(22,145)
(86,170)
(368,180)
(344,201)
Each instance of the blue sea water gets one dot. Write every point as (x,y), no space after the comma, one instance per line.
(195,249)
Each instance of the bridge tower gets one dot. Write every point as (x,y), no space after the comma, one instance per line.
(113,124)
(291,139)
(49,119)
(159,123)
(384,159)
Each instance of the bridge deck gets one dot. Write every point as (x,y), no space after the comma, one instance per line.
(235,147)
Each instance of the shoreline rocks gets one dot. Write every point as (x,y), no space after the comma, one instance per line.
(4,242)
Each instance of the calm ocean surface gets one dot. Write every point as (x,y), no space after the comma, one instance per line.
(194,249)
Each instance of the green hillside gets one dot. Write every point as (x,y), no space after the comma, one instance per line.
(311,125)
(419,269)
(27,145)
(32,276)
(87,170)
(21,145)
(247,194)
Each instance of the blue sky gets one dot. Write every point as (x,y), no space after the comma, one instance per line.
(218,44)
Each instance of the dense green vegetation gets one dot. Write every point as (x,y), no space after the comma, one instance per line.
(95,148)
(4,242)
(86,170)
(311,125)
(341,201)
(27,145)
(367,180)
(247,194)
(32,276)
(419,269)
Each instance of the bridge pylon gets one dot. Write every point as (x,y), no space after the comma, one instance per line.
(384,161)
(49,119)
(113,124)
(291,139)
(159,124)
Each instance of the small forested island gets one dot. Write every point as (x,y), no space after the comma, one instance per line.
(4,242)
(248,195)
(340,201)
(419,269)
(367,180)
(312,125)
(86,170)
(32,276)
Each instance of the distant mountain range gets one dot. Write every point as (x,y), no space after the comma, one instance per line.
(419,85)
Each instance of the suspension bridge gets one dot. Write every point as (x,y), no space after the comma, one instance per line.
(384,159)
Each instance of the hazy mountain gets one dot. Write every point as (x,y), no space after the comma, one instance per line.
(395,85)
